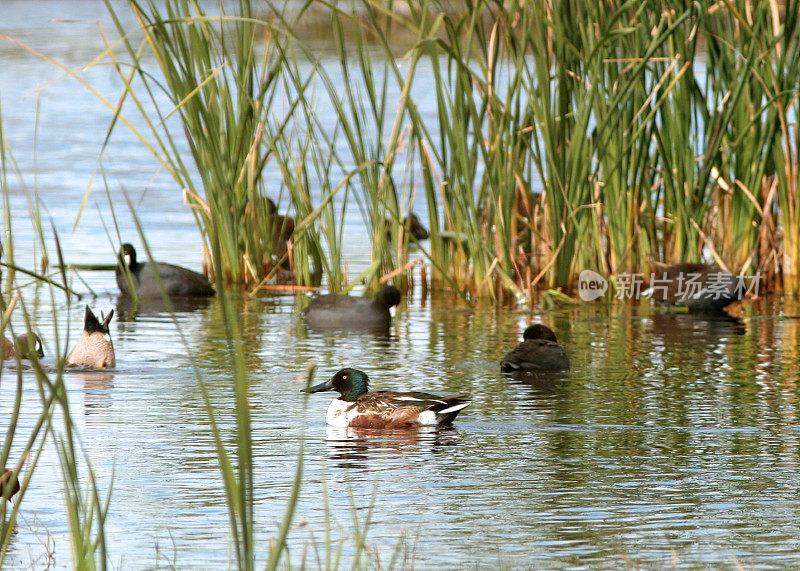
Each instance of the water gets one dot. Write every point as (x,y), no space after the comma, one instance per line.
(674,441)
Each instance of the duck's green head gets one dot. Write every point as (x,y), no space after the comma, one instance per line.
(350,383)
(539,331)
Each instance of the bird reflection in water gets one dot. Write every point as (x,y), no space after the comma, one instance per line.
(353,447)
(689,327)
(97,387)
(542,384)
(128,308)
(382,333)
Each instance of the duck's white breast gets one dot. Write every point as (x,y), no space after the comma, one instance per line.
(340,413)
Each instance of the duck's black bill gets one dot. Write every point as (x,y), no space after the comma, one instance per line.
(326,386)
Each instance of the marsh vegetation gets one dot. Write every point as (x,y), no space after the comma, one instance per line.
(534,140)
(610,136)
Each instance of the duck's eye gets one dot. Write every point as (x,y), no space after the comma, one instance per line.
(345,377)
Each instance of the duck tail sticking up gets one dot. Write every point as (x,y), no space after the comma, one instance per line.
(93,325)
(94,348)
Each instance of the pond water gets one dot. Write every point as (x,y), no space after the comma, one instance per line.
(674,440)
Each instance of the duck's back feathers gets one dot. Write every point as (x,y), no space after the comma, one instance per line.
(536,355)
(413,225)
(417,229)
(8,349)
(390,409)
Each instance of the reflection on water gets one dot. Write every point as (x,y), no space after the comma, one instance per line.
(96,386)
(352,448)
(383,332)
(673,436)
(543,385)
(127,309)
(693,328)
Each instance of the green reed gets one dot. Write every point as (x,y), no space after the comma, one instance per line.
(566,136)
(362,120)
(607,105)
(786,156)
(374,139)
(86,510)
(224,76)
(238,476)
(752,51)
(301,161)
(470,130)
(742,130)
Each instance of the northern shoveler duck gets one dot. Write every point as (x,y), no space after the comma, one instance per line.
(360,408)
(9,485)
(343,311)
(23,345)
(176,281)
(94,349)
(702,288)
(538,352)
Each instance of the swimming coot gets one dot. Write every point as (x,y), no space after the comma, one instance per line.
(176,281)
(538,352)
(702,288)
(343,311)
